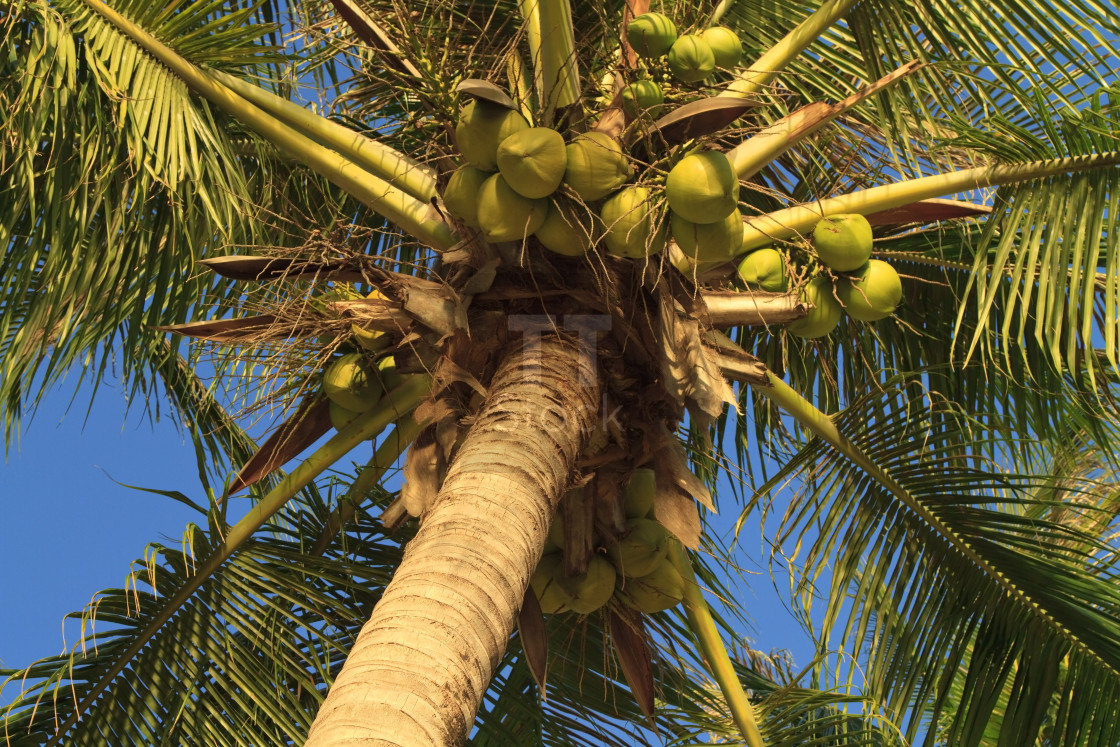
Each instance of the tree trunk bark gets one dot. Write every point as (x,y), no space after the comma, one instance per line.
(420,666)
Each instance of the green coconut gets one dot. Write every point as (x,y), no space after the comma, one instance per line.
(637,499)
(766,269)
(843,242)
(825,313)
(551,594)
(563,232)
(630,219)
(708,242)
(871,294)
(661,589)
(533,161)
(641,95)
(641,549)
(596,165)
(352,383)
(504,215)
(481,129)
(461,195)
(725,44)
(651,34)
(691,59)
(387,373)
(340,416)
(556,531)
(592,589)
(702,187)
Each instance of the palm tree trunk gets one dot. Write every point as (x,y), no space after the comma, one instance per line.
(420,666)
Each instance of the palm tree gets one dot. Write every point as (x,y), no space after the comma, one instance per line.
(967,570)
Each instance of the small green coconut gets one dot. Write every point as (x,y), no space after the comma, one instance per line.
(642,549)
(592,589)
(630,219)
(765,268)
(871,294)
(387,373)
(533,161)
(505,215)
(551,594)
(481,129)
(461,195)
(651,35)
(824,315)
(661,589)
(702,187)
(596,165)
(708,242)
(563,232)
(843,242)
(340,416)
(640,96)
(352,383)
(691,59)
(725,44)
(637,499)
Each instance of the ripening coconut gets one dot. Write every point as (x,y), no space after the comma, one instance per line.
(565,230)
(725,44)
(629,220)
(461,195)
(871,294)
(596,165)
(641,550)
(351,383)
(551,595)
(702,187)
(824,314)
(766,269)
(651,35)
(708,242)
(641,95)
(843,242)
(691,59)
(592,589)
(533,161)
(481,129)
(505,215)
(637,499)
(661,589)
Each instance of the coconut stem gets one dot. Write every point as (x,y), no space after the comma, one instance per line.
(784,224)
(404,210)
(769,65)
(396,404)
(715,653)
(557,62)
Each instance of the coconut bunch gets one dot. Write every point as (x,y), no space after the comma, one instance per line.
(867,289)
(634,569)
(691,58)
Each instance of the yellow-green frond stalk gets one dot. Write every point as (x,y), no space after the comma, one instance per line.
(555,60)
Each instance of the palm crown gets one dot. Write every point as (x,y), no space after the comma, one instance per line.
(528,219)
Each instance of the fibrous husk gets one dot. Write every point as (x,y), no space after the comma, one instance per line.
(461,195)
(630,219)
(871,294)
(533,161)
(691,59)
(709,242)
(637,499)
(481,129)
(641,96)
(351,383)
(641,549)
(651,35)
(505,215)
(593,589)
(702,187)
(563,232)
(596,165)
(766,269)
(725,44)
(661,589)
(824,315)
(843,242)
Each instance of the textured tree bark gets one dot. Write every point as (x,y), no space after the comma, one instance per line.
(420,666)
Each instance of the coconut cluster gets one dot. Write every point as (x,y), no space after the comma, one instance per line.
(866,289)
(635,570)
(691,57)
